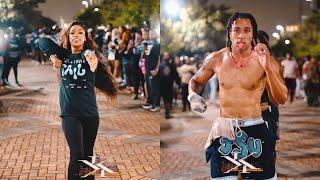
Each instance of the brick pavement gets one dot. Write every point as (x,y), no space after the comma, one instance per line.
(182,153)
(32,144)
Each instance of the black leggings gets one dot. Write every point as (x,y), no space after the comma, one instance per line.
(81,134)
(185,94)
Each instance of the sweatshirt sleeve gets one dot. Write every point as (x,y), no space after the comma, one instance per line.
(49,47)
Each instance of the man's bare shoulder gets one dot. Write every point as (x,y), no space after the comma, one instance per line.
(215,58)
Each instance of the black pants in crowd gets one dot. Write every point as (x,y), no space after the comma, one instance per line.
(39,56)
(8,64)
(130,74)
(166,92)
(185,93)
(291,85)
(81,134)
(312,93)
(155,90)
(138,80)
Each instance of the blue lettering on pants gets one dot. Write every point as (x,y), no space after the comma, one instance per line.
(242,145)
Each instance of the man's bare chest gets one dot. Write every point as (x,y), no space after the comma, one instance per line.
(247,77)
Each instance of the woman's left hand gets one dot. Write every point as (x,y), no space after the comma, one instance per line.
(91,59)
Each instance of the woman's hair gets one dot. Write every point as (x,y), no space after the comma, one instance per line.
(104,80)
(263,38)
(241,15)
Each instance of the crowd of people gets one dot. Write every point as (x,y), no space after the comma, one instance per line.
(133,56)
(302,78)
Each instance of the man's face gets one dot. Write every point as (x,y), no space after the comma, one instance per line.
(288,56)
(313,60)
(153,35)
(145,35)
(138,37)
(166,56)
(241,34)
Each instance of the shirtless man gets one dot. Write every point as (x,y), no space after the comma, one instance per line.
(244,68)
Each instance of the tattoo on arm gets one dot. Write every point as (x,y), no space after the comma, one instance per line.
(199,80)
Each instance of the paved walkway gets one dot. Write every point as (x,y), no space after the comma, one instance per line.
(33,146)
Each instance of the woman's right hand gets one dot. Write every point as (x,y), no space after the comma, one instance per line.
(56,61)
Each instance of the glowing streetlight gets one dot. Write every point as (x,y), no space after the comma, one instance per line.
(287,41)
(281,29)
(85,4)
(276,35)
(96,9)
(172,8)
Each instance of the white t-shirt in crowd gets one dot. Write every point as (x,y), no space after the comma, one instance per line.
(289,68)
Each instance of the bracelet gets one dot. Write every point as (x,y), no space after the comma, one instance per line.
(52,56)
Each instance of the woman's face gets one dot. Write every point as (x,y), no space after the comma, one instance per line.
(77,36)
(114,33)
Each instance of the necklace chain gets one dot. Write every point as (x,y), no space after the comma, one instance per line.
(241,64)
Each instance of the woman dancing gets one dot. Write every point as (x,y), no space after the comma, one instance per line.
(78,59)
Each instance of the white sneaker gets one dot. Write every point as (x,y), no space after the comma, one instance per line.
(155,109)
(147,106)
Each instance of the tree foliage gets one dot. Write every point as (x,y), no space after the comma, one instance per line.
(304,42)
(121,12)
(307,39)
(24,13)
(279,49)
(201,27)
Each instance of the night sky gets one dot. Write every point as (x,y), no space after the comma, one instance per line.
(270,13)
(67,9)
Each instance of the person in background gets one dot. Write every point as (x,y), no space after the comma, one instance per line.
(12,57)
(312,71)
(186,71)
(168,75)
(290,74)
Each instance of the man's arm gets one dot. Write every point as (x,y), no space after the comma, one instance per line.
(276,88)
(199,80)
